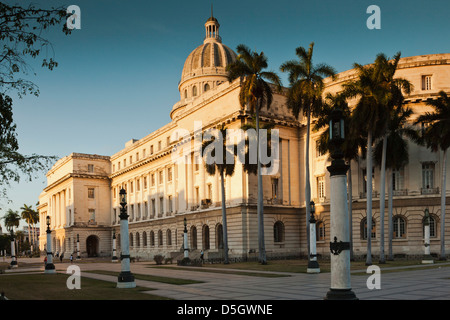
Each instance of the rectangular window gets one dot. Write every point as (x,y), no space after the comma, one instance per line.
(209,191)
(170,203)
(161,205)
(151,149)
(197,195)
(274,188)
(132,212)
(426,82)
(144,153)
(161,176)
(124,163)
(145,210)
(114,168)
(159,145)
(91,193)
(169,174)
(131,186)
(427,175)
(138,211)
(145,183)
(91,214)
(137,156)
(321,188)
(118,165)
(153,207)
(138,185)
(90,168)
(131,159)
(397,180)
(153,179)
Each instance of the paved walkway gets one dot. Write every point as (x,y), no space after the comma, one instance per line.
(428,284)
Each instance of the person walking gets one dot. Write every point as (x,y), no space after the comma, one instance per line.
(71,258)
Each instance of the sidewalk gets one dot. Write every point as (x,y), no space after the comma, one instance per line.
(427,284)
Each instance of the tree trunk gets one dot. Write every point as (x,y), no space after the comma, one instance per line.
(260,204)
(390,223)
(382,198)
(443,194)
(307,181)
(369,198)
(224,220)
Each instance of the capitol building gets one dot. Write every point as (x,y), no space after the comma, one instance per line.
(165,184)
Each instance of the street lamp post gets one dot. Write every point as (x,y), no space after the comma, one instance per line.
(114,254)
(78,247)
(13,251)
(313,265)
(339,218)
(427,258)
(186,249)
(126,278)
(49,267)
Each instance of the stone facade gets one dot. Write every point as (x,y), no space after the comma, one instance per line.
(164,184)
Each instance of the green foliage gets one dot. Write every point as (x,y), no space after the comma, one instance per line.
(21,36)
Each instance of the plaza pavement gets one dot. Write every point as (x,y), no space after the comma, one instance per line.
(428,284)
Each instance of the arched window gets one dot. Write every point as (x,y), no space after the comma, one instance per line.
(169,237)
(160,238)
(194,91)
(193,238)
(185,93)
(205,237)
(138,240)
(364,229)
(152,238)
(206,87)
(399,225)
(144,239)
(278,232)
(219,236)
(320,231)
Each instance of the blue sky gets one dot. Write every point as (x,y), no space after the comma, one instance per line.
(117,76)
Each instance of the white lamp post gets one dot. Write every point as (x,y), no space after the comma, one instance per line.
(339,218)
(427,258)
(126,278)
(114,254)
(313,265)
(49,267)
(186,249)
(13,251)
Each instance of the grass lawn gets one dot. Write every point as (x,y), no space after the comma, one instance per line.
(300,266)
(147,277)
(53,287)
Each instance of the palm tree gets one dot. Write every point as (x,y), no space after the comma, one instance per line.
(217,155)
(27,215)
(350,147)
(394,98)
(374,89)
(305,96)
(11,219)
(255,93)
(436,136)
(395,150)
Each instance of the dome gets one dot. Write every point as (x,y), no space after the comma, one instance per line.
(209,58)
(205,67)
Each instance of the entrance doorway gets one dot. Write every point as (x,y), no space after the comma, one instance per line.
(92,246)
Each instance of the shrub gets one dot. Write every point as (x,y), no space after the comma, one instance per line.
(158,259)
